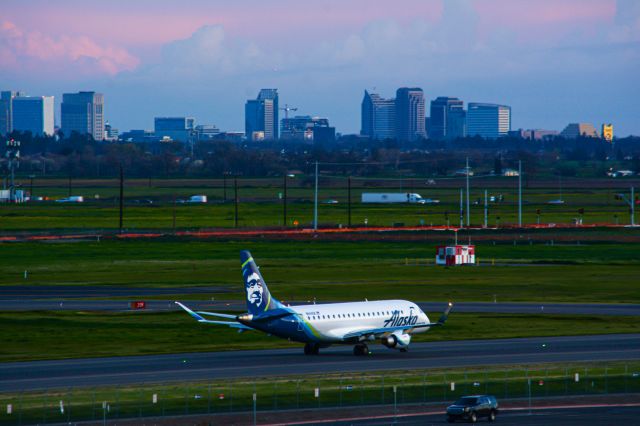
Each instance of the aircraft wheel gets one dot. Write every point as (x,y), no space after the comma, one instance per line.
(316,349)
(360,350)
(308,349)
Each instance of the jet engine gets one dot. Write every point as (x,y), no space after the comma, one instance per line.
(397,340)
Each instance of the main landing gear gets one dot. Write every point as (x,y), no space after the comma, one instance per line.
(311,349)
(361,349)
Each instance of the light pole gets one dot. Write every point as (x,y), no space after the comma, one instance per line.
(486,207)
(349,201)
(284,200)
(468,210)
(121,196)
(520,193)
(315,203)
(235,190)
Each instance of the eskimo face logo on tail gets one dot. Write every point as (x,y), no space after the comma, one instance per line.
(398,321)
(254,289)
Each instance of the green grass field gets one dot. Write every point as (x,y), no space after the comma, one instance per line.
(336,270)
(261,204)
(295,392)
(96,334)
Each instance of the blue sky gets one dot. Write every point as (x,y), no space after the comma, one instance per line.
(553,61)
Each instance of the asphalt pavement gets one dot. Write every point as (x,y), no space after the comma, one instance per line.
(573,416)
(17,376)
(83,298)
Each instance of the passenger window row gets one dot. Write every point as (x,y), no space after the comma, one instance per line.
(359,315)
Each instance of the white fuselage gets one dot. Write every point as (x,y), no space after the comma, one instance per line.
(333,321)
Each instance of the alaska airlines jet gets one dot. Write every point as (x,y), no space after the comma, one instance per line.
(392,322)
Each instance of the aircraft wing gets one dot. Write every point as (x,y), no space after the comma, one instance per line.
(199,318)
(382,330)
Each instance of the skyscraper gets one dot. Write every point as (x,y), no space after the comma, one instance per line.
(378,116)
(33,114)
(83,112)
(447,118)
(6,111)
(261,116)
(489,121)
(410,120)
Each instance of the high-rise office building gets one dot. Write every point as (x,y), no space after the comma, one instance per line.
(447,118)
(607,132)
(83,112)
(175,128)
(6,111)
(261,116)
(304,128)
(33,114)
(378,116)
(410,114)
(489,121)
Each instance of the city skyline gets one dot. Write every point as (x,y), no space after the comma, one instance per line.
(553,62)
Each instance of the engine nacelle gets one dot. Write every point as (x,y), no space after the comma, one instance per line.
(396,340)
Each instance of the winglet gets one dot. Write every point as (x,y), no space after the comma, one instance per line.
(190,312)
(445,314)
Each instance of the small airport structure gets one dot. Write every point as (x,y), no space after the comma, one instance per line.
(456,254)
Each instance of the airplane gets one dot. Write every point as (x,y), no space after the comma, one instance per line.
(391,322)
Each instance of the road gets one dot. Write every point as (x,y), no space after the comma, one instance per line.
(237,364)
(570,416)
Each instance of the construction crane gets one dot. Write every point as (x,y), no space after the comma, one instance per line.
(286,110)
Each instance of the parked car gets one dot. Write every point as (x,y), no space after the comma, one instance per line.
(472,408)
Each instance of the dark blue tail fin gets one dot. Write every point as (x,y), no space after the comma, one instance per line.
(258,296)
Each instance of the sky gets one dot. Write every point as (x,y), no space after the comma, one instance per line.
(552,61)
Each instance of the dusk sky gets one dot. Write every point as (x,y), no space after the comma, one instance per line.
(553,61)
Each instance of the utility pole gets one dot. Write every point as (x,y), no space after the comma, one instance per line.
(31,177)
(486,207)
(468,209)
(235,189)
(224,186)
(461,211)
(121,196)
(633,208)
(174,213)
(349,201)
(284,201)
(315,205)
(520,193)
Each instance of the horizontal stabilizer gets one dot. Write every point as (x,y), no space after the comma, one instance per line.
(215,314)
(196,315)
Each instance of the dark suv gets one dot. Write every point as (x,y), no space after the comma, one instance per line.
(472,408)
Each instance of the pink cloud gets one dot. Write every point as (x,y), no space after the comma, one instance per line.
(27,51)
(543,19)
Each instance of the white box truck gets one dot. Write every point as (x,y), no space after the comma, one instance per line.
(197,199)
(392,197)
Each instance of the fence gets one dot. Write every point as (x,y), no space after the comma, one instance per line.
(107,404)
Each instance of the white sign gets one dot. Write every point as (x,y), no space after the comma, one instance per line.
(255,397)
(453,386)
(9,408)
(154,398)
(577,377)
(61,407)
(317,392)
(104,405)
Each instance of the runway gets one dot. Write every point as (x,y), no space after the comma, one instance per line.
(282,362)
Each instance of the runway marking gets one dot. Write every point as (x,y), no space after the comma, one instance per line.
(431,413)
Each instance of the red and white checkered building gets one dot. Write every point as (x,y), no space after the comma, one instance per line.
(456,255)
